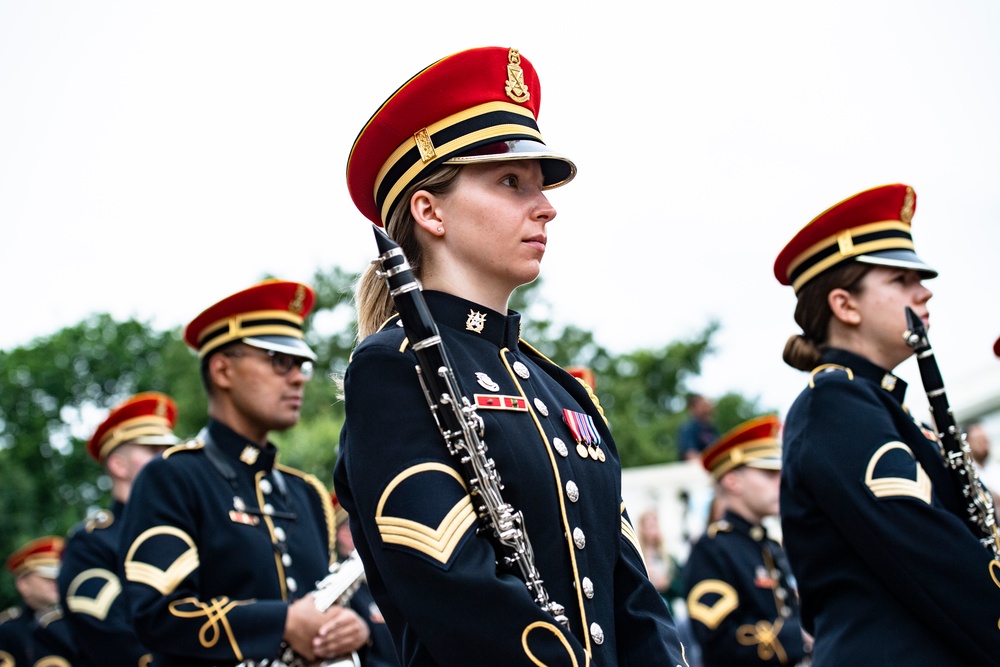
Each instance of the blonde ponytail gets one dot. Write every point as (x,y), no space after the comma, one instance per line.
(371,296)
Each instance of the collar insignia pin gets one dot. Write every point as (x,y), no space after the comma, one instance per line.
(249,455)
(476,322)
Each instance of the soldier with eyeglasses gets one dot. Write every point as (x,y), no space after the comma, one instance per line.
(223,545)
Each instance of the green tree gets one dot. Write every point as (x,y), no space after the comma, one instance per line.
(56,389)
(52,393)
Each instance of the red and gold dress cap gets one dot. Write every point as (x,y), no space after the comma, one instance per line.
(41,555)
(268,315)
(996,347)
(872,227)
(143,419)
(478,105)
(754,444)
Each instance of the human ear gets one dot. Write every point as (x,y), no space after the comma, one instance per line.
(220,370)
(424,210)
(843,306)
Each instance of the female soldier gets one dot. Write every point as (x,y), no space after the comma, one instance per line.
(889,570)
(454,167)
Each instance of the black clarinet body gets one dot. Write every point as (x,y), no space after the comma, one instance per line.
(958,456)
(459,423)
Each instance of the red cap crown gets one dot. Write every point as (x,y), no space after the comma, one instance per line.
(872,227)
(996,347)
(143,419)
(476,105)
(268,315)
(753,443)
(41,555)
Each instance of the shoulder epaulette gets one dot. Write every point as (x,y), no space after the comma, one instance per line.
(716,527)
(50,616)
(99,520)
(9,614)
(828,368)
(189,446)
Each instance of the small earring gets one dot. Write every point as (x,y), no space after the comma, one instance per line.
(440,229)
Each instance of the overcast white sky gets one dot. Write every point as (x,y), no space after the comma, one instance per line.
(155,157)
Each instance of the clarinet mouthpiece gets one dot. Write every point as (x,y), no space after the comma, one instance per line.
(915,334)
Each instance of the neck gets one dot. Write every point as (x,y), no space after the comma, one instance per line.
(468,287)
(852,341)
(224,412)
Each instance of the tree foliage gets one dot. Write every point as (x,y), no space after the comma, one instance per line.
(56,389)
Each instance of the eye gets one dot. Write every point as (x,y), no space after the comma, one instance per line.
(510,180)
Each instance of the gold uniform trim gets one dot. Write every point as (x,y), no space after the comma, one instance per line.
(324,498)
(898,487)
(216,612)
(52,661)
(164,581)
(437,542)
(542,626)
(567,529)
(99,605)
(628,532)
(449,148)
(844,241)
(131,429)
(713,614)
(236,329)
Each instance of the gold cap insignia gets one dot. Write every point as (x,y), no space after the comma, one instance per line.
(845,242)
(909,201)
(298,301)
(425,145)
(516,88)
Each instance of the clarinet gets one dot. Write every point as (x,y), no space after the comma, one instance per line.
(459,423)
(958,456)
(338,587)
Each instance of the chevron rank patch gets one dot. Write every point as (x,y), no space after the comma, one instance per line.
(893,472)
(426,510)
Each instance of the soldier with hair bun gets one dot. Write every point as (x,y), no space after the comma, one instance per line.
(890,569)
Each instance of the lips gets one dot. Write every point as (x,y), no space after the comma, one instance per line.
(537,240)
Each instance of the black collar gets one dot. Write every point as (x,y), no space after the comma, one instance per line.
(241,451)
(467,316)
(862,368)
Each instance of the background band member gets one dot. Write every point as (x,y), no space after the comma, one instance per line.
(34,631)
(221,544)
(454,167)
(133,433)
(741,597)
(889,569)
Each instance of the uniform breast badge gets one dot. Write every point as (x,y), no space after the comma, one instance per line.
(588,440)
(476,322)
(486,382)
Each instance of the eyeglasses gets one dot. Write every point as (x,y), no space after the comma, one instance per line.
(281,363)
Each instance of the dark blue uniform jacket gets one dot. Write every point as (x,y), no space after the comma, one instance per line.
(741,599)
(889,572)
(216,540)
(435,578)
(90,589)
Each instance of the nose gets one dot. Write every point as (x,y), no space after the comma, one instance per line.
(925,294)
(544,211)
